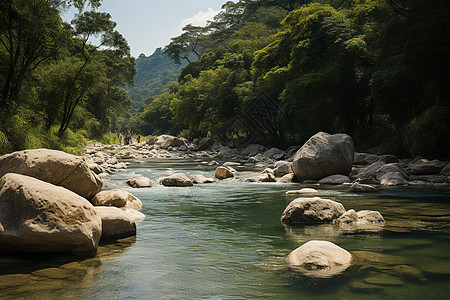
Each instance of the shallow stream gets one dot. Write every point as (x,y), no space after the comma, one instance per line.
(225,241)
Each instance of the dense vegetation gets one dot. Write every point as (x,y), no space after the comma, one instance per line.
(270,71)
(375,69)
(58,89)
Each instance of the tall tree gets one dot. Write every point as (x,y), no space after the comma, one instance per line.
(86,25)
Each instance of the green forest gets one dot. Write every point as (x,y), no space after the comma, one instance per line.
(378,70)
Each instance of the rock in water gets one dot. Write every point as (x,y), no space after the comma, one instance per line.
(139,182)
(38,217)
(116,223)
(223,173)
(307,211)
(178,179)
(55,167)
(319,259)
(117,198)
(323,155)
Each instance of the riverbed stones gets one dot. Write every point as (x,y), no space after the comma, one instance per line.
(140,182)
(177,180)
(252,150)
(275,153)
(223,172)
(323,155)
(55,167)
(165,141)
(38,217)
(116,223)
(320,259)
(117,198)
(308,211)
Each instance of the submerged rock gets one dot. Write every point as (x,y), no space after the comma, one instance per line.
(323,155)
(306,211)
(117,198)
(55,167)
(320,259)
(302,191)
(38,217)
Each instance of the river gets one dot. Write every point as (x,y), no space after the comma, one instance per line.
(225,241)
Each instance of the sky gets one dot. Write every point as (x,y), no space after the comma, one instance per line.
(150,24)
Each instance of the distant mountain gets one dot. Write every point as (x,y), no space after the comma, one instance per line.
(153,73)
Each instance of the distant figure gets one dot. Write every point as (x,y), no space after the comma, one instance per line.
(138,139)
(208,135)
(120,138)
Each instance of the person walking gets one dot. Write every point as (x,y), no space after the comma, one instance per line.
(120,138)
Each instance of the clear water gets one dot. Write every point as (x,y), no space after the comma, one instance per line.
(225,241)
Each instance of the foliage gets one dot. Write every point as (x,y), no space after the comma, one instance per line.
(58,90)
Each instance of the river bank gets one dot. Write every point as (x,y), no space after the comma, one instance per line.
(367,168)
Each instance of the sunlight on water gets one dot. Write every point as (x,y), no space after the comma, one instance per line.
(225,240)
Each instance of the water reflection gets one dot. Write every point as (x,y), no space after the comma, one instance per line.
(55,275)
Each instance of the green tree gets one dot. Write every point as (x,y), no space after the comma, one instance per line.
(86,25)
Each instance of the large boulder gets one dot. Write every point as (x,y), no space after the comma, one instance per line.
(320,259)
(116,198)
(165,141)
(139,182)
(307,211)
(177,179)
(323,155)
(38,217)
(55,167)
(116,223)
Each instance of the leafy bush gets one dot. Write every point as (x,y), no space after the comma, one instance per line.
(428,134)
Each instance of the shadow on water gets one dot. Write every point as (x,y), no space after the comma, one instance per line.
(55,274)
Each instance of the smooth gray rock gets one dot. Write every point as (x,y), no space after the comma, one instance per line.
(323,155)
